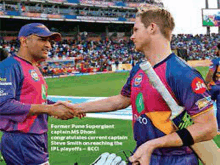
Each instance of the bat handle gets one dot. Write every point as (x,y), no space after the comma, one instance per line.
(160,87)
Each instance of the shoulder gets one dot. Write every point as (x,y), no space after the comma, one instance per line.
(216,61)
(10,61)
(178,68)
(9,64)
(181,77)
(135,69)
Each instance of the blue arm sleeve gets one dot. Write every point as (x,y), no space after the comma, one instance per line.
(10,85)
(126,89)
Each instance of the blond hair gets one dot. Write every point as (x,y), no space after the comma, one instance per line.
(153,14)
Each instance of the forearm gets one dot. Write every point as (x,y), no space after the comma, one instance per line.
(199,132)
(17,111)
(37,109)
(203,132)
(109,104)
(57,111)
(170,140)
(14,110)
(173,139)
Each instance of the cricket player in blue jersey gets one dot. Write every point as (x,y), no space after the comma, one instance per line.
(213,81)
(157,140)
(23,99)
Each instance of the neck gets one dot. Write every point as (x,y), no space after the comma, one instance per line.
(24,55)
(157,51)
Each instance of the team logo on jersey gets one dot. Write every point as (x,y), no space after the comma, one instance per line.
(139,102)
(204,102)
(34,75)
(44,92)
(198,86)
(138,80)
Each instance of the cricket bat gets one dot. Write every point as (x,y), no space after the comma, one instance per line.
(207,151)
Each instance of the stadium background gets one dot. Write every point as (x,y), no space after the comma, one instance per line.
(95,40)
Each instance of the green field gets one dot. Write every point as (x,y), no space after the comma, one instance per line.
(101,85)
(94,85)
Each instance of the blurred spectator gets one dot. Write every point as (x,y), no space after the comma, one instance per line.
(182,51)
(3,54)
(116,64)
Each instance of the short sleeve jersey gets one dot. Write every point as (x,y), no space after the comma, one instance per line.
(216,69)
(151,115)
(21,84)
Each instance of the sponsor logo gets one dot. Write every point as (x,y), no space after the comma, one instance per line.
(139,102)
(138,80)
(34,75)
(44,93)
(3,79)
(198,86)
(202,103)
(184,121)
(5,83)
(2,92)
(141,120)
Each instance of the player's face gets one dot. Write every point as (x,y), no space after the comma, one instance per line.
(140,35)
(38,47)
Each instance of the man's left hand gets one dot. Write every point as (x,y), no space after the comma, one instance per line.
(142,155)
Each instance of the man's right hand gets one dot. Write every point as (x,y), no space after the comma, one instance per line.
(61,112)
(74,108)
(58,111)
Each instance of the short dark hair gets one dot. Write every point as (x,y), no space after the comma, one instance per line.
(3,54)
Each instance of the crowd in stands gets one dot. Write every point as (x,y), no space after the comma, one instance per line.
(103,12)
(80,11)
(90,56)
(199,47)
(94,55)
(39,8)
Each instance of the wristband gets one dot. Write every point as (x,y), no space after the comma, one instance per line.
(186,137)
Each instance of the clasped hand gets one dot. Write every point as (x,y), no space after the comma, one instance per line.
(64,111)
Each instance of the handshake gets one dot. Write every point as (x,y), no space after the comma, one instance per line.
(64,111)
